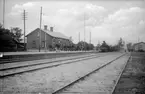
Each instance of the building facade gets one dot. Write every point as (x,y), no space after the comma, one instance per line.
(139,46)
(47,39)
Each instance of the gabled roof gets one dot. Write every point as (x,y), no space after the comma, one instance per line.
(138,43)
(53,34)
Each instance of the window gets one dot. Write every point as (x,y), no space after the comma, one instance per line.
(53,41)
(139,46)
(38,34)
(43,44)
(34,44)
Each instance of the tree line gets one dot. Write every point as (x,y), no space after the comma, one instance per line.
(80,46)
(104,47)
(10,41)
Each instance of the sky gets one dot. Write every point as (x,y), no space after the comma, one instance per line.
(107,20)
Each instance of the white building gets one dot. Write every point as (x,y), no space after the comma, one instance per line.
(139,46)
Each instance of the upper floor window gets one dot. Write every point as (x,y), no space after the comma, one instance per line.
(38,33)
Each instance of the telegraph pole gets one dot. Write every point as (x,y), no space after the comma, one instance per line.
(24,18)
(1,54)
(3,13)
(79,36)
(138,39)
(138,42)
(45,42)
(84,28)
(90,37)
(40,30)
(84,31)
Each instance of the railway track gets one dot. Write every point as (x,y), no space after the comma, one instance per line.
(31,57)
(11,71)
(63,90)
(118,78)
(15,65)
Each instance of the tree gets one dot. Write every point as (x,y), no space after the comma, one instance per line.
(6,40)
(98,46)
(104,44)
(57,45)
(121,43)
(17,33)
(82,45)
(113,48)
(90,46)
(129,47)
(104,47)
(1,25)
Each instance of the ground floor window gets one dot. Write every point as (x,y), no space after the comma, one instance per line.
(43,44)
(34,44)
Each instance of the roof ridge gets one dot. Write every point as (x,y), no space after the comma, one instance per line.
(138,43)
(55,34)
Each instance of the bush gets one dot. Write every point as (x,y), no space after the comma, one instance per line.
(141,50)
(7,41)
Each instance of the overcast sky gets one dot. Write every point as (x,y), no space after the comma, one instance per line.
(106,20)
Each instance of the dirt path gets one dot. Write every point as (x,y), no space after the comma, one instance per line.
(132,80)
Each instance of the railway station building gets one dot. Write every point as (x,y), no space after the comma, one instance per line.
(48,39)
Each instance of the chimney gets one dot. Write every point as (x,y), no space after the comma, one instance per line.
(45,27)
(51,29)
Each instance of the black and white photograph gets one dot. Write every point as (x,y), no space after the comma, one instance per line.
(72,46)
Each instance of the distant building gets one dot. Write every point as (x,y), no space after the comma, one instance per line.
(139,46)
(49,39)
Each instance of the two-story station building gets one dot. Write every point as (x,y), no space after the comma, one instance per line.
(47,39)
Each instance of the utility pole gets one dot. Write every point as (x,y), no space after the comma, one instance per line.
(11,29)
(138,39)
(79,36)
(138,42)
(90,37)
(3,13)
(84,28)
(45,42)
(1,54)
(40,30)
(84,31)
(24,18)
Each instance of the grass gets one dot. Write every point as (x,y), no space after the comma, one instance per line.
(132,80)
